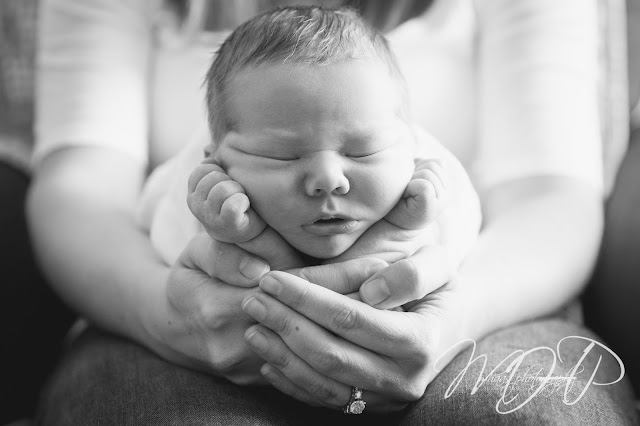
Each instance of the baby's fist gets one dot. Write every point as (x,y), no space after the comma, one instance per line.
(221,205)
(421,201)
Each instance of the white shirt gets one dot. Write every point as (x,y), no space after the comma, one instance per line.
(513,88)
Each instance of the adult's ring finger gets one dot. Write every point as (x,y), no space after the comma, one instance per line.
(356,404)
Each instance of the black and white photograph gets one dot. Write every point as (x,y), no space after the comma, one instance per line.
(320,212)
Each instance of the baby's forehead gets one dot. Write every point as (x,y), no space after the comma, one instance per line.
(293,78)
(263,69)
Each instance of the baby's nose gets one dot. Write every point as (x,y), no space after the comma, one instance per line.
(325,175)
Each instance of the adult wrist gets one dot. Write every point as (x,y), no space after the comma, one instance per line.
(152,316)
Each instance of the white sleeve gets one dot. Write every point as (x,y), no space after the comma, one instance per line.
(162,209)
(93,75)
(538,91)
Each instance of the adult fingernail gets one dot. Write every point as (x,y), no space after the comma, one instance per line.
(258,341)
(376,267)
(375,292)
(255,308)
(253,268)
(270,373)
(270,285)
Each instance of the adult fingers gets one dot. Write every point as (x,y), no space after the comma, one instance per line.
(329,354)
(343,277)
(227,262)
(280,381)
(293,376)
(408,279)
(383,332)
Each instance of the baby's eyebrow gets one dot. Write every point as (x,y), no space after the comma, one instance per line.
(371,133)
(278,136)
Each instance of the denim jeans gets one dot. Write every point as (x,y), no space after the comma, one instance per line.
(106,380)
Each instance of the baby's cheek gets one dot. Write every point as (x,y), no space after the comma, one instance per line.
(271,199)
(385,186)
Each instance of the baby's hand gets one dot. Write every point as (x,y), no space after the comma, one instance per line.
(223,208)
(221,205)
(421,201)
(411,224)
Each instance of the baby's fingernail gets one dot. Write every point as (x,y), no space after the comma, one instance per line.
(253,268)
(375,292)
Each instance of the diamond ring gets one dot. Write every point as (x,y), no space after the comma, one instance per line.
(356,404)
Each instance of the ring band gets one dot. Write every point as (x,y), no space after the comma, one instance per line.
(356,404)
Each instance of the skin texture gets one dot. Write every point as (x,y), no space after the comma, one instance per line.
(537,247)
(313,143)
(223,208)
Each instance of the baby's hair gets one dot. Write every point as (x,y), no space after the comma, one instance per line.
(300,35)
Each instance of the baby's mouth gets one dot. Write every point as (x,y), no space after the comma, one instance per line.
(332,225)
(332,220)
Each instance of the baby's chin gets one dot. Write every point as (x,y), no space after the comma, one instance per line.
(324,247)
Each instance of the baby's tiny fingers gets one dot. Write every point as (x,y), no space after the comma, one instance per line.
(205,186)
(200,172)
(433,164)
(240,222)
(422,201)
(234,208)
(221,192)
(431,177)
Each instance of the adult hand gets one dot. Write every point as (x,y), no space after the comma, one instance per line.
(206,324)
(409,279)
(317,344)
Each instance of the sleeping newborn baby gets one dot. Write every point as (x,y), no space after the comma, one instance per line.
(312,156)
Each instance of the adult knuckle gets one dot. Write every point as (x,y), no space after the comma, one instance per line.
(225,363)
(344,318)
(318,388)
(416,344)
(304,274)
(300,299)
(213,317)
(408,389)
(280,359)
(410,276)
(328,361)
(412,392)
(283,325)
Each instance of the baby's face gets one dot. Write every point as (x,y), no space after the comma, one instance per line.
(322,151)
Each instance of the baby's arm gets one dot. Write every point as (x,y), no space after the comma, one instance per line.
(224,210)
